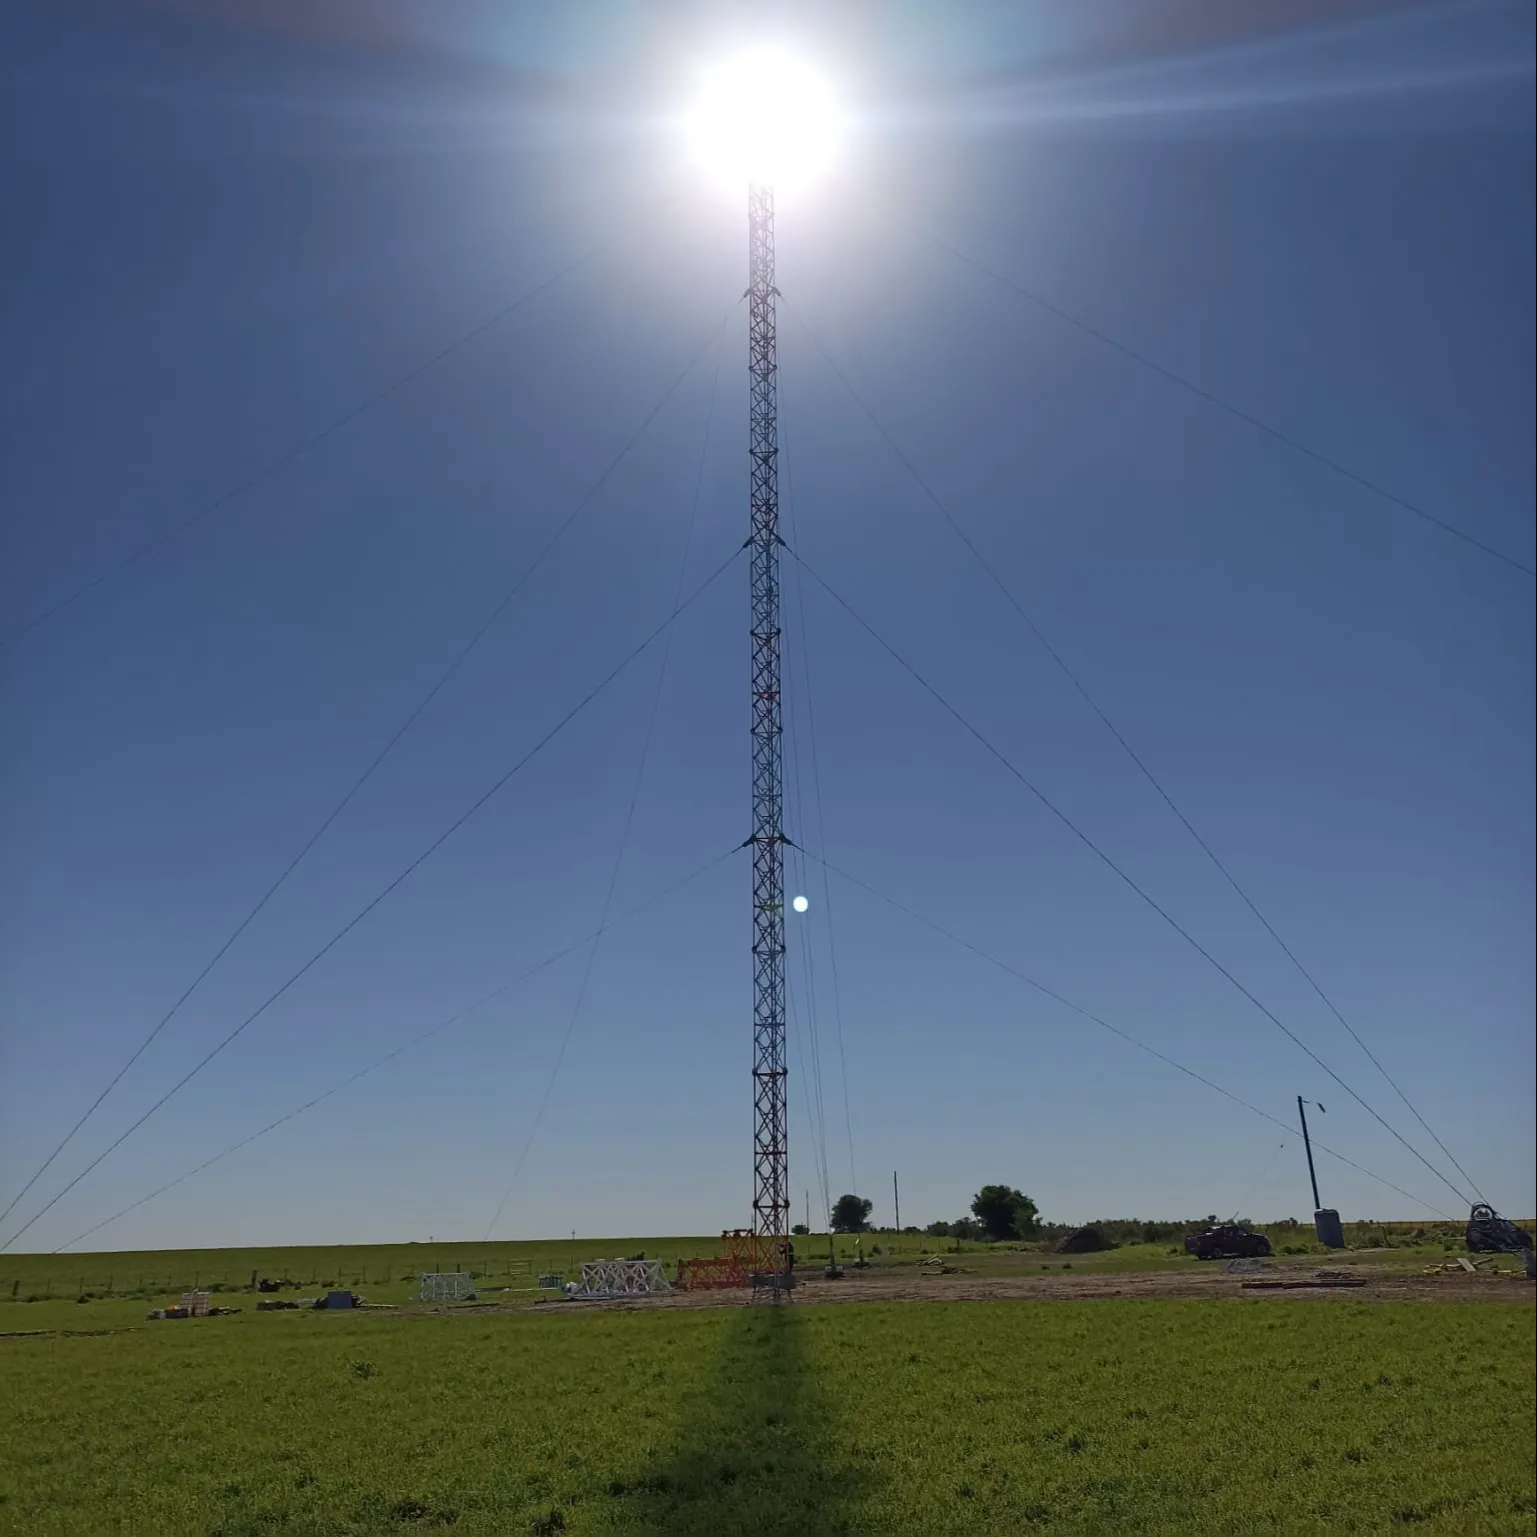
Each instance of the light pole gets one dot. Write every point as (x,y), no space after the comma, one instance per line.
(1326,1220)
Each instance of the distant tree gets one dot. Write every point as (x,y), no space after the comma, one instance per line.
(851,1214)
(1005,1212)
(800,1230)
(939,1230)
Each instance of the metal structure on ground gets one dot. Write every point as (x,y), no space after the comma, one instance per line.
(709,1273)
(1490,1233)
(744,1254)
(605,1278)
(771,1158)
(446,1286)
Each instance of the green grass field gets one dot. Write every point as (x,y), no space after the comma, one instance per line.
(892,1419)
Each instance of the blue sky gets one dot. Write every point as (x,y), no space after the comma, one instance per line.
(231,225)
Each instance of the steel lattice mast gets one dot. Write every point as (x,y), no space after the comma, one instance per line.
(771,1152)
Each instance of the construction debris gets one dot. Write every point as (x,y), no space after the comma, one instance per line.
(1086,1240)
(1322,1281)
(1490,1233)
(1484,1265)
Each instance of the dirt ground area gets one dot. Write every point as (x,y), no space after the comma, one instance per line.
(1215,1284)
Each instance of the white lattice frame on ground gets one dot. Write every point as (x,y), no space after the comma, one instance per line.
(622,1278)
(445,1286)
(196,1303)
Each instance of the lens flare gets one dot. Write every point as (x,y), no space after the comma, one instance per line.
(764,116)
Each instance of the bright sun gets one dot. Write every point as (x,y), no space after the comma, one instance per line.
(764,116)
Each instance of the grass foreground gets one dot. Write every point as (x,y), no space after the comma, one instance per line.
(916,1418)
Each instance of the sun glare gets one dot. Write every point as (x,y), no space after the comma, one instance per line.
(764,116)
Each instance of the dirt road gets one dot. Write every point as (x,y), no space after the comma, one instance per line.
(1213,1284)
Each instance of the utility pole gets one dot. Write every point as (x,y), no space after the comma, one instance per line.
(1307,1143)
(896,1200)
(771,1157)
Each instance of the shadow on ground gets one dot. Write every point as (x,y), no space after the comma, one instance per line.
(757,1450)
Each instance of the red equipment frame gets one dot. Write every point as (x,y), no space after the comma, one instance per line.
(746,1254)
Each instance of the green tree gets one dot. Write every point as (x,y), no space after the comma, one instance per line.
(1005,1212)
(851,1214)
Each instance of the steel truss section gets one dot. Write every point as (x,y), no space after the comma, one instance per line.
(743,1255)
(621,1278)
(446,1286)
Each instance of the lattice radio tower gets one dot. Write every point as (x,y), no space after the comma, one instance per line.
(771,1150)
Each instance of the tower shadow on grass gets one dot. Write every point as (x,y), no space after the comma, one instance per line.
(757,1449)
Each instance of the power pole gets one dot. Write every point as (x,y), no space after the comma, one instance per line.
(1307,1143)
(896,1200)
(771,1156)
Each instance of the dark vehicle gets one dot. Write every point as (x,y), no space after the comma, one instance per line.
(1490,1233)
(1228,1241)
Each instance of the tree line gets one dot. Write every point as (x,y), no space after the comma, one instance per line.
(1000,1214)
